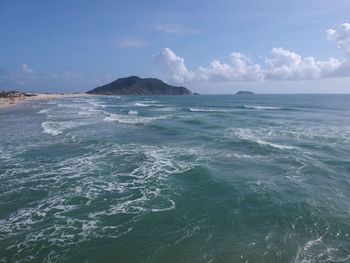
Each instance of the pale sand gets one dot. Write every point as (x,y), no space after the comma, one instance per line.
(6,103)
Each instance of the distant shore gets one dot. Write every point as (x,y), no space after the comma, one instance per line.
(20,98)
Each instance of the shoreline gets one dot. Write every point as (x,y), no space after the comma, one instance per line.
(6,103)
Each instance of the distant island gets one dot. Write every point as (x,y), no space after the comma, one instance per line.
(244,92)
(134,85)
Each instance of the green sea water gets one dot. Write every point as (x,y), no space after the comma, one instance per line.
(260,178)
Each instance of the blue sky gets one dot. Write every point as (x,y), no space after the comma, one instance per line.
(209,46)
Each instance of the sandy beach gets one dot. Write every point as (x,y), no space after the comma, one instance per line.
(7,102)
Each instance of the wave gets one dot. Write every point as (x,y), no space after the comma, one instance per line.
(69,105)
(249,135)
(50,128)
(171,207)
(167,109)
(76,191)
(139,104)
(258,107)
(89,111)
(55,128)
(150,103)
(4,155)
(44,111)
(97,104)
(320,249)
(133,112)
(207,110)
(275,145)
(133,118)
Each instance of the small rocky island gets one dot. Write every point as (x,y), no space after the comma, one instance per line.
(244,92)
(139,86)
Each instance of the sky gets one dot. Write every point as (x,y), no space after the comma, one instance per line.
(210,47)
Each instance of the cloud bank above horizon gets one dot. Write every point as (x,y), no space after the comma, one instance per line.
(282,64)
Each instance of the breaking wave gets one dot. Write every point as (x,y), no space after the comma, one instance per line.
(258,107)
(133,118)
(207,110)
(55,128)
(254,136)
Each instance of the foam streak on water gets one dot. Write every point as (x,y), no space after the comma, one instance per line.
(181,179)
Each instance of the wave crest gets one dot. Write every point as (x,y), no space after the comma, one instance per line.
(259,107)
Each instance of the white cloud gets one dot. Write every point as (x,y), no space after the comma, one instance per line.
(341,37)
(26,69)
(132,43)
(287,65)
(282,64)
(175,29)
(174,66)
(240,68)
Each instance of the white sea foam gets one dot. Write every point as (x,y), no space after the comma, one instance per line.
(44,111)
(50,128)
(238,156)
(96,104)
(133,118)
(207,110)
(144,188)
(275,145)
(58,127)
(149,103)
(140,104)
(69,105)
(317,250)
(89,111)
(171,207)
(166,109)
(258,107)
(255,136)
(133,112)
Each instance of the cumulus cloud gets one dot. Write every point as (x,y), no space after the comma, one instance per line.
(240,67)
(341,36)
(281,64)
(287,65)
(132,43)
(174,66)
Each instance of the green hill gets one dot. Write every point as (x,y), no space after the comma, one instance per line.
(138,86)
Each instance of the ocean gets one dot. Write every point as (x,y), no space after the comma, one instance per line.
(210,178)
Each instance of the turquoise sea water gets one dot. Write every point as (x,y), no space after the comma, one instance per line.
(263,178)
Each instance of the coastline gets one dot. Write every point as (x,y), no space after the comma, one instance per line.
(6,103)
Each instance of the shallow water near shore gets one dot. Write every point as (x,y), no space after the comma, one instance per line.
(261,178)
